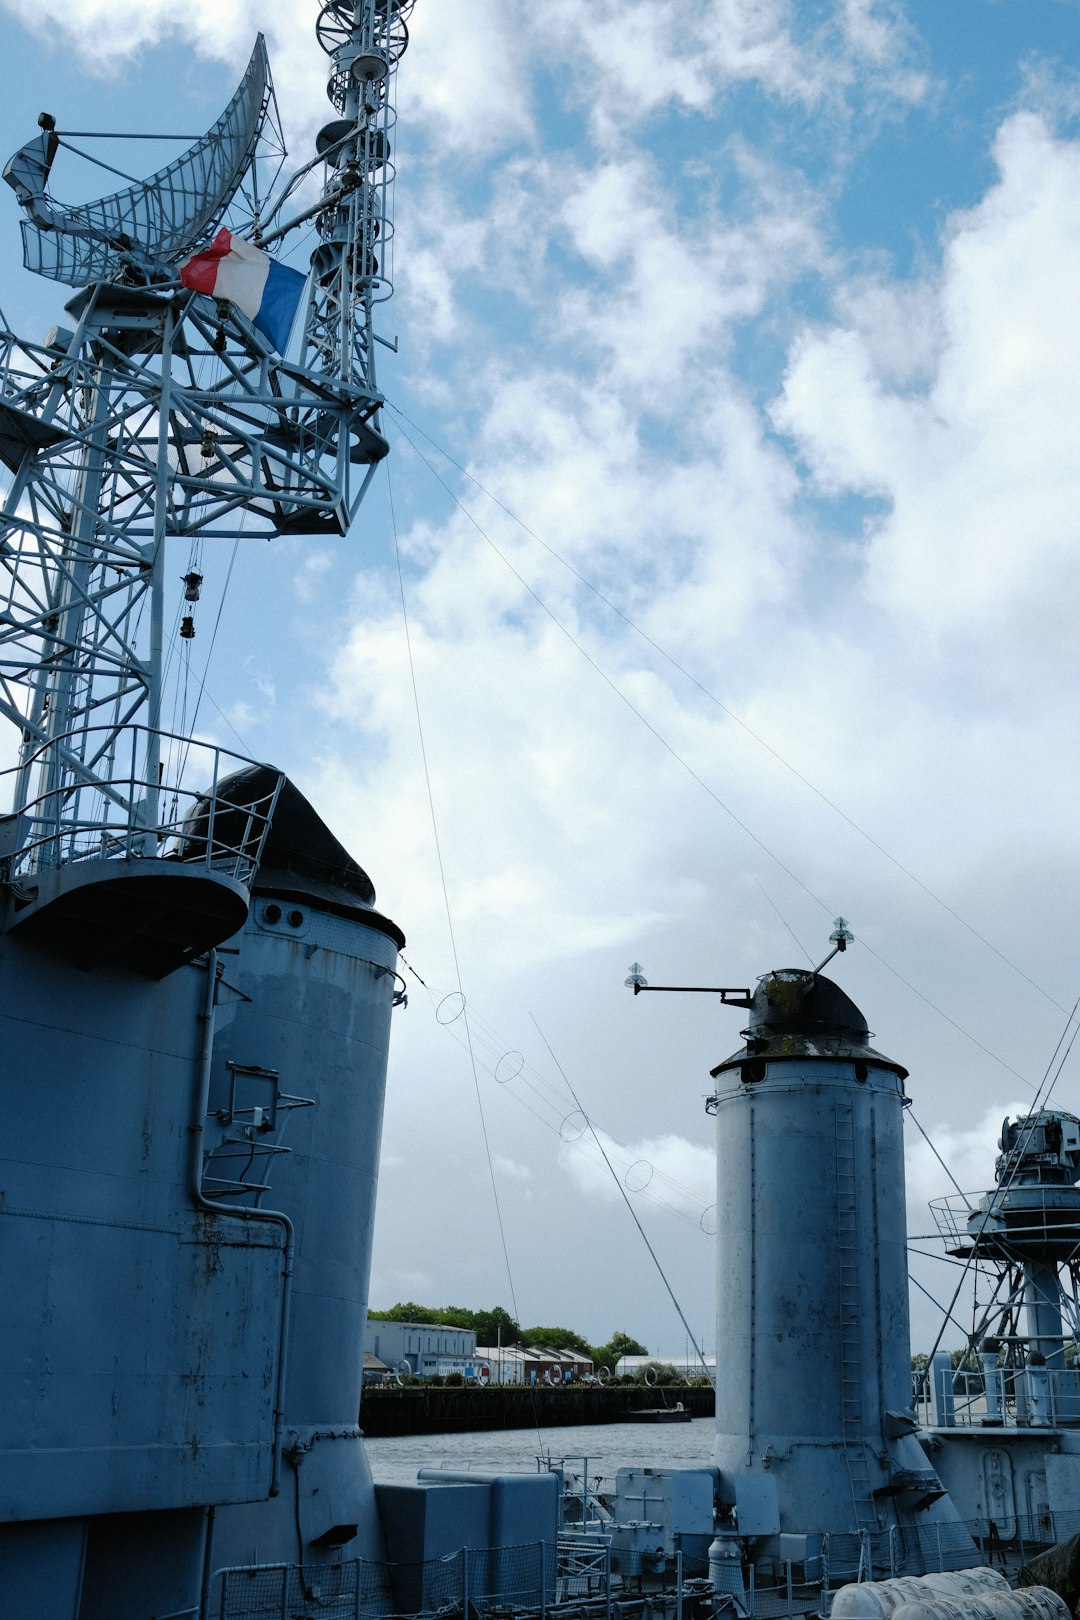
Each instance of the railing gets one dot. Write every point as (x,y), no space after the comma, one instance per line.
(951,1216)
(478,1582)
(117,808)
(574,1578)
(992,1216)
(998,1397)
(793,1589)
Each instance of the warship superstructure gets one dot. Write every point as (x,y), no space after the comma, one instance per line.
(196,986)
(196,990)
(1005,1426)
(819,1423)
(833,1461)
(813,1392)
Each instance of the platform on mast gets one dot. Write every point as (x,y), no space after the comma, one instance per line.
(124,873)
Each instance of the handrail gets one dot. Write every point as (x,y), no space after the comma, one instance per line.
(75,820)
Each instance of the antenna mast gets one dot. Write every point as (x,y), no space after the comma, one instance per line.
(351,268)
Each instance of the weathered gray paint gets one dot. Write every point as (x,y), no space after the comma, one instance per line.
(812,1287)
(140,1361)
(319,1013)
(133,1370)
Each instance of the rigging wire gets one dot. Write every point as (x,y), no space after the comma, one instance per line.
(100,163)
(486,1037)
(993,1202)
(946,1314)
(209,656)
(966,1033)
(552,1100)
(450,929)
(633,1213)
(669,748)
(937,1156)
(932,1254)
(782,918)
(730,713)
(619,693)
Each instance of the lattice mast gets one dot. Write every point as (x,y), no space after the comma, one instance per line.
(159,413)
(1025,1234)
(351,268)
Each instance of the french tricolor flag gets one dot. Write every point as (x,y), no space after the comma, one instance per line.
(267,292)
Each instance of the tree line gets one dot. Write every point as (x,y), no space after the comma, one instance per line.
(497,1326)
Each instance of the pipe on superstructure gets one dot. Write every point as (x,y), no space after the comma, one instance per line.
(204,1068)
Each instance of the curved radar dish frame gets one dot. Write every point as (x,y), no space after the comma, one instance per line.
(151,224)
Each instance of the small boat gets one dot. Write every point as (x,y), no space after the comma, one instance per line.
(661,1414)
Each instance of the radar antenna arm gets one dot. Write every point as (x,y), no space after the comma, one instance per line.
(27,173)
(294,180)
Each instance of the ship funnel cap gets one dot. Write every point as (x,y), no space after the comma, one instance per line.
(797,1013)
(793,1002)
(301,858)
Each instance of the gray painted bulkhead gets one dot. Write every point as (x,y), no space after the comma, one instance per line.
(813,1382)
(156,1423)
(321,991)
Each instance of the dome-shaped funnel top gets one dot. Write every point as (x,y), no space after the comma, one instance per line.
(799,1014)
(792,1002)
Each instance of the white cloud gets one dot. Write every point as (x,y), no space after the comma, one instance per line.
(980,467)
(108,33)
(510,1170)
(969,1153)
(666,1171)
(310,578)
(1051,87)
(672,293)
(632,61)
(881,39)
(467,75)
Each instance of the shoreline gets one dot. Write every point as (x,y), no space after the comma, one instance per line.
(388,1412)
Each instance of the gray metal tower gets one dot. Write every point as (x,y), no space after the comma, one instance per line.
(1026,1235)
(191,1135)
(159,414)
(815,1428)
(1006,1423)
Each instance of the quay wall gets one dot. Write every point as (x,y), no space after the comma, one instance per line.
(414,1409)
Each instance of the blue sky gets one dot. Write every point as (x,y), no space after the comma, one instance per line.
(762,317)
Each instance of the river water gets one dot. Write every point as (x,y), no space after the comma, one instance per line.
(608,1446)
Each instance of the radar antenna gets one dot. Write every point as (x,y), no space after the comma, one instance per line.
(138,231)
(159,413)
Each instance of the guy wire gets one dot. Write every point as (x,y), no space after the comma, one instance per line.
(679,759)
(633,1214)
(450,929)
(705,691)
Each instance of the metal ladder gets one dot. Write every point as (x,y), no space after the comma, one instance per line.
(850,1346)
